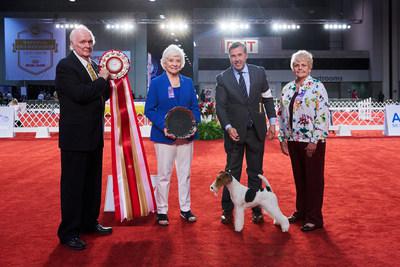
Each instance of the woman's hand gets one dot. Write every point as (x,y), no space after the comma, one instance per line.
(271,132)
(169,135)
(310,149)
(284,148)
(194,132)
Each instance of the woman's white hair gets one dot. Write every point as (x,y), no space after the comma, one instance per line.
(172,50)
(302,55)
(78,29)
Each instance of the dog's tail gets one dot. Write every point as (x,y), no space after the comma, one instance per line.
(267,184)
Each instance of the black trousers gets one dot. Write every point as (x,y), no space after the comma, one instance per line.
(308,175)
(253,148)
(81,174)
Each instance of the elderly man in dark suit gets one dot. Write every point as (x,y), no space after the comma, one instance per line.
(82,91)
(243,97)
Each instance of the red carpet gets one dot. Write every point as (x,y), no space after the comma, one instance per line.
(361,211)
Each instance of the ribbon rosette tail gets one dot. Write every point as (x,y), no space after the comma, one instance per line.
(133,190)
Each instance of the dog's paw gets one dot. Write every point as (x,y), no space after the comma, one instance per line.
(285,226)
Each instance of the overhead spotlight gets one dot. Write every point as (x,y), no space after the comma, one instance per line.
(162,16)
(57,26)
(174,26)
(72,1)
(233,25)
(336,26)
(124,26)
(276,26)
(152,0)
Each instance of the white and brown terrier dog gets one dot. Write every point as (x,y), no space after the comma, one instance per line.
(266,199)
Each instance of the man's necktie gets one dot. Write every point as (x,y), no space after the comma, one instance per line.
(91,71)
(243,87)
(242,84)
(93,76)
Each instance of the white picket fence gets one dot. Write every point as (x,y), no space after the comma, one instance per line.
(365,114)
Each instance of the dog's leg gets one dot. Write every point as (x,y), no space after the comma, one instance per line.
(275,212)
(239,218)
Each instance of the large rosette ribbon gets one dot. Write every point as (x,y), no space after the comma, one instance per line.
(133,190)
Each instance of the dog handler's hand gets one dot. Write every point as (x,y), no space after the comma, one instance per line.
(284,148)
(271,132)
(233,134)
(310,149)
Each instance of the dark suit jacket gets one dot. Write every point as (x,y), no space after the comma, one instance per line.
(233,108)
(81,122)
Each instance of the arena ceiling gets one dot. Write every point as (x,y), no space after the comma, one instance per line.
(185,6)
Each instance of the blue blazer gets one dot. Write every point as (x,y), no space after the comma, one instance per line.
(159,102)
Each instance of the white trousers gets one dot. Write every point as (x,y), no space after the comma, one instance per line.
(167,155)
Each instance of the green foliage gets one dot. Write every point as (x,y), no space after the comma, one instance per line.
(210,130)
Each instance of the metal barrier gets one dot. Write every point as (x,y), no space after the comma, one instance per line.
(356,115)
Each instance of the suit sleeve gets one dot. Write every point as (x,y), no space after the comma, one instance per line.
(151,108)
(221,99)
(69,83)
(268,99)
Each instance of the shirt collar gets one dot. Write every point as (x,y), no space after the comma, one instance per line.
(244,70)
(82,60)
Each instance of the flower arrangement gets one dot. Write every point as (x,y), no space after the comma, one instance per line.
(209,128)
(207,108)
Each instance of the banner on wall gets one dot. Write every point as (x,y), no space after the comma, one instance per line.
(33,48)
(251,45)
(392,120)
(6,122)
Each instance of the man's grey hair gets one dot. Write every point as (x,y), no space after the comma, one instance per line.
(173,50)
(78,29)
(302,55)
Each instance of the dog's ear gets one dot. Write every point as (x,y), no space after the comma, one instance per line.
(227,178)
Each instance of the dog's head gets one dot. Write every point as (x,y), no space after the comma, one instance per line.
(223,178)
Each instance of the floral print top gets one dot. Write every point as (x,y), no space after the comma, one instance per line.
(310,112)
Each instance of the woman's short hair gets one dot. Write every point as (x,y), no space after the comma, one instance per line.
(172,50)
(302,55)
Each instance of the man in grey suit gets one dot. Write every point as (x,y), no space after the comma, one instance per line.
(243,97)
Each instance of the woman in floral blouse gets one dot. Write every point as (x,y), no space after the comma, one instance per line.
(304,121)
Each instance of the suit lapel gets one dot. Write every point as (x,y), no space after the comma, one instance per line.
(95,67)
(83,71)
(234,85)
(252,82)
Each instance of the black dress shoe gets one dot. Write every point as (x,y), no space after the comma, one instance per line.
(294,218)
(257,217)
(226,217)
(74,243)
(99,229)
(308,227)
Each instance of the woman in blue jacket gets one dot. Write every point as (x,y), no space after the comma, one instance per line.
(167,91)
